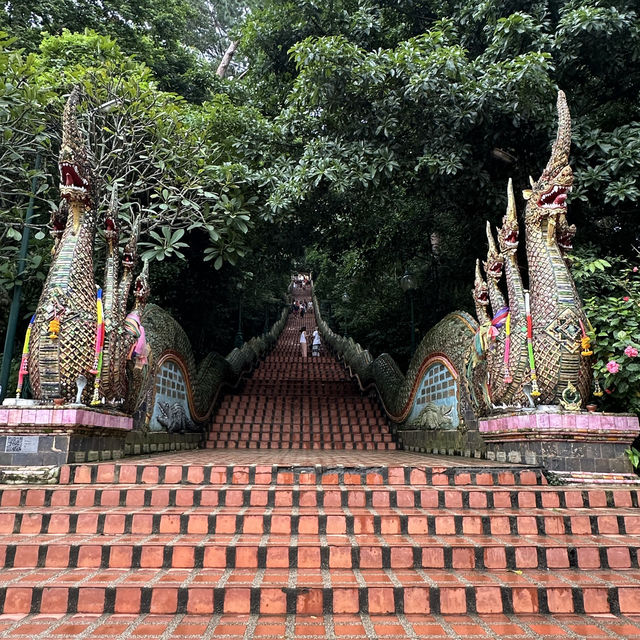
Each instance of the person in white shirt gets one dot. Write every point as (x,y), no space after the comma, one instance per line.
(315,349)
(303,342)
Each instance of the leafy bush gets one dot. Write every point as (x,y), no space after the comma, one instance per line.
(611,292)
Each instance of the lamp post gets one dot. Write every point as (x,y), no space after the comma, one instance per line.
(408,284)
(239,341)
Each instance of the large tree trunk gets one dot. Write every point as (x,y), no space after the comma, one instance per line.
(226,60)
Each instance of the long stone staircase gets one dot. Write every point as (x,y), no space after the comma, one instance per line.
(299,520)
(299,403)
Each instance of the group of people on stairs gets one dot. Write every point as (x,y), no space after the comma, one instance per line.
(315,346)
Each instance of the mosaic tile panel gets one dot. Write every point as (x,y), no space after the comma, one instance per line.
(439,386)
(170,387)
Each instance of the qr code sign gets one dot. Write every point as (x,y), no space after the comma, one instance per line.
(21,444)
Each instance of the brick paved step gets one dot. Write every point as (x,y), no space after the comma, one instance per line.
(308,552)
(304,495)
(355,627)
(332,404)
(328,421)
(280,520)
(299,405)
(240,437)
(369,591)
(288,426)
(280,474)
(333,445)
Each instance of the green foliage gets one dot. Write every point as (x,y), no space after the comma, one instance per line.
(634,457)
(24,135)
(180,40)
(392,117)
(174,164)
(611,291)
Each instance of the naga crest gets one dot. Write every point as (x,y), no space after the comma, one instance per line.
(547,197)
(495,261)
(480,290)
(509,233)
(111,221)
(74,160)
(565,233)
(142,288)
(130,253)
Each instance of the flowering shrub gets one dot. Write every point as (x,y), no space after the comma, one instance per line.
(610,289)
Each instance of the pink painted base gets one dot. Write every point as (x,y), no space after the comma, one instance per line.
(540,425)
(45,418)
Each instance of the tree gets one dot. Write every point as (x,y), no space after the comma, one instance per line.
(411,127)
(180,40)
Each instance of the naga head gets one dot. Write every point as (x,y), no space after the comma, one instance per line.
(142,289)
(111,221)
(495,261)
(565,233)
(74,159)
(59,221)
(509,233)
(480,290)
(547,197)
(130,253)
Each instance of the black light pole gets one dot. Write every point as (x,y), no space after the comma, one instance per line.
(408,284)
(239,341)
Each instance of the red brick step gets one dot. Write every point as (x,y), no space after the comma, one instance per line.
(406,591)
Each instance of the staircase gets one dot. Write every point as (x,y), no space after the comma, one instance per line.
(298,521)
(291,402)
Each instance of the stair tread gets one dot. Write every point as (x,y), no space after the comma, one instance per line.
(304,577)
(350,511)
(298,540)
(313,627)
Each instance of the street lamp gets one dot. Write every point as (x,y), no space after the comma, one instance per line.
(239,341)
(409,285)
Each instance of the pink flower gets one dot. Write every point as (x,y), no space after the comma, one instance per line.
(613,366)
(626,298)
(635,269)
(631,352)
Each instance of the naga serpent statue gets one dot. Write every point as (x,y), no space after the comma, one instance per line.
(73,333)
(532,342)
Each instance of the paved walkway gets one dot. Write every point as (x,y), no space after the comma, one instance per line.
(307,457)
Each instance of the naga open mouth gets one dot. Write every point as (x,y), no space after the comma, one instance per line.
(512,239)
(71,182)
(565,242)
(555,198)
(509,240)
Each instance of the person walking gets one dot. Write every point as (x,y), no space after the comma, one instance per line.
(303,309)
(315,347)
(303,342)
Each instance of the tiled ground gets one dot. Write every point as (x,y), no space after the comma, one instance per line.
(305,457)
(358,627)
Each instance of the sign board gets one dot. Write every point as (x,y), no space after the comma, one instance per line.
(21,444)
